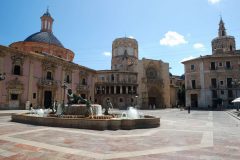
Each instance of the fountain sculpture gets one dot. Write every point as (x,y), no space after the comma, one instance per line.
(80,113)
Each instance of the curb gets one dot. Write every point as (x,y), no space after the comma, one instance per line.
(233,115)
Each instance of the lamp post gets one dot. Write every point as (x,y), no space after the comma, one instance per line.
(235,84)
(64,86)
(136,100)
(2,76)
(131,92)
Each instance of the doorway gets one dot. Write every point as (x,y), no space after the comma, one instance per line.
(152,102)
(194,100)
(47,99)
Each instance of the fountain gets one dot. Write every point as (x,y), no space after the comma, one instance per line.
(87,116)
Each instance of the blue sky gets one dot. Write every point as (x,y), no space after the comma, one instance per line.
(168,30)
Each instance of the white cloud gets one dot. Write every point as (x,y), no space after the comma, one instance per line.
(187,58)
(172,39)
(199,46)
(107,54)
(214,1)
(131,37)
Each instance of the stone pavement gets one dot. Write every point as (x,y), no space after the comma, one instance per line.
(206,135)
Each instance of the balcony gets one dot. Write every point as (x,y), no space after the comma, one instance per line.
(155,81)
(47,83)
(193,88)
(82,87)
(213,68)
(228,67)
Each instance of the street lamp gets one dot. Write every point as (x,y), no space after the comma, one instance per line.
(136,100)
(235,84)
(2,76)
(131,92)
(64,86)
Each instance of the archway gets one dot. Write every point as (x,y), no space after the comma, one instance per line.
(155,99)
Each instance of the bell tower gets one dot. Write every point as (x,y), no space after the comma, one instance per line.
(47,22)
(124,54)
(221,30)
(223,43)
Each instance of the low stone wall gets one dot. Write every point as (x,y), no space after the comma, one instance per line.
(75,109)
(86,123)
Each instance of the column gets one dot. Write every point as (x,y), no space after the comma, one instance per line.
(30,81)
(62,82)
(120,89)
(115,89)
(1,82)
(126,89)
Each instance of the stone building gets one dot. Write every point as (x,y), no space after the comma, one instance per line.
(131,81)
(177,90)
(213,80)
(38,68)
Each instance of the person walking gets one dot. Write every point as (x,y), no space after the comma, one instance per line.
(189,108)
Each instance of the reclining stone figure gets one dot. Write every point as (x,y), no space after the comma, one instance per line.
(74,99)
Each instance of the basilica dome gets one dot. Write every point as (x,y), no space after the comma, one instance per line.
(45,37)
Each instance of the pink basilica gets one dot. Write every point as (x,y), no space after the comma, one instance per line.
(39,68)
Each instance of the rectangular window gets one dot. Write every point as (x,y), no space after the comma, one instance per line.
(192,67)
(107,90)
(14,97)
(112,89)
(228,65)
(193,84)
(214,93)
(213,66)
(221,83)
(214,83)
(230,93)
(34,95)
(229,82)
(49,75)
(17,70)
(222,92)
(220,64)
(118,89)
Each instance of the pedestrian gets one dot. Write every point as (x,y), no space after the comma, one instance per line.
(189,108)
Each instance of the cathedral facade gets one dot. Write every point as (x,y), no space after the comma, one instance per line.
(39,69)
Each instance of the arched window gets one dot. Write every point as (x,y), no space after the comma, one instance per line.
(112,77)
(17,70)
(83,81)
(231,48)
(68,79)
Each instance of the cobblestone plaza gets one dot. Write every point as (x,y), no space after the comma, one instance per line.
(199,135)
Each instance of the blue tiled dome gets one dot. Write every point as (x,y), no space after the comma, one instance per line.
(45,37)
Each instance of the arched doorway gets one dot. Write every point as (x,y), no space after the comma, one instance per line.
(155,99)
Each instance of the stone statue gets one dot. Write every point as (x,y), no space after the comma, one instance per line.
(74,99)
(109,105)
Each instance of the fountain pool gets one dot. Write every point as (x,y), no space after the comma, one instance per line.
(74,117)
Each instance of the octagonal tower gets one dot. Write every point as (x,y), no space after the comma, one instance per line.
(124,54)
